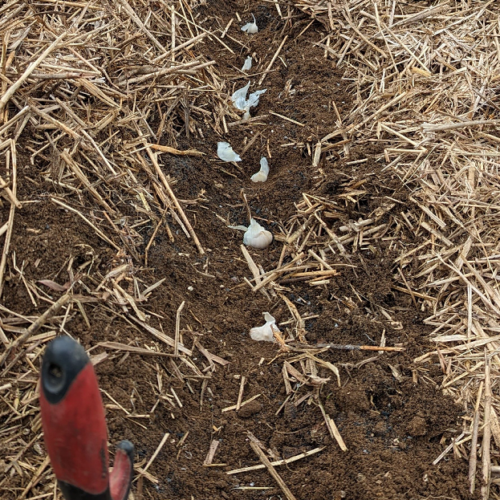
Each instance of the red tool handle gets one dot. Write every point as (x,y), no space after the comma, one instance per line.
(74,427)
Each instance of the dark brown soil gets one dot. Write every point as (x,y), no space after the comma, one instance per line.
(390,414)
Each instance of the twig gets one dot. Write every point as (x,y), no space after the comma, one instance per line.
(350,347)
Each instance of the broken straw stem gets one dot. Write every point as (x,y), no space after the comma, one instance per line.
(350,347)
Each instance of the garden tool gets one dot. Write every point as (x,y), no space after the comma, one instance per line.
(75,430)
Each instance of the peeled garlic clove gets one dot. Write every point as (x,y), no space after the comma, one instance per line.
(256,236)
(261,175)
(250,27)
(265,332)
(248,64)
(225,152)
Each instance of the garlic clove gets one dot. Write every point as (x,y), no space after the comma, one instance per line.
(250,28)
(256,236)
(225,152)
(261,175)
(239,98)
(265,332)
(248,64)
(240,101)
(268,318)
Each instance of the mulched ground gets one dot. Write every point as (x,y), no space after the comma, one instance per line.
(388,411)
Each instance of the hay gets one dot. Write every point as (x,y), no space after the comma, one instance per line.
(426,80)
(88,79)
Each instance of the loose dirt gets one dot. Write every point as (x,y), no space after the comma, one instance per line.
(390,413)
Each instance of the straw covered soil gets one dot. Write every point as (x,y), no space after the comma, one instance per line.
(118,224)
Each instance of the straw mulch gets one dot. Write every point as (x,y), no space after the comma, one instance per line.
(87,79)
(426,81)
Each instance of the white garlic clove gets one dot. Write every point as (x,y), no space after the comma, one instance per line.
(240,101)
(250,28)
(239,98)
(265,332)
(248,64)
(256,236)
(261,175)
(225,152)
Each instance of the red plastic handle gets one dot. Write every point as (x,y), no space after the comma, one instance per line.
(74,427)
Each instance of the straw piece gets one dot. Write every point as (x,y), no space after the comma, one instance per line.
(32,66)
(172,196)
(473,453)
(178,328)
(277,462)
(35,326)
(485,487)
(270,65)
(255,447)
(332,428)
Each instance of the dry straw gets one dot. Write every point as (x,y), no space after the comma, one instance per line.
(426,80)
(84,77)
(95,94)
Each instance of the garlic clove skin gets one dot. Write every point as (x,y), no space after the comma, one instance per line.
(225,152)
(240,101)
(265,332)
(239,97)
(256,236)
(248,64)
(250,28)
(261,175)
(253,99)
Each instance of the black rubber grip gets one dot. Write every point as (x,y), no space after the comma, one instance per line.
(64,359)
